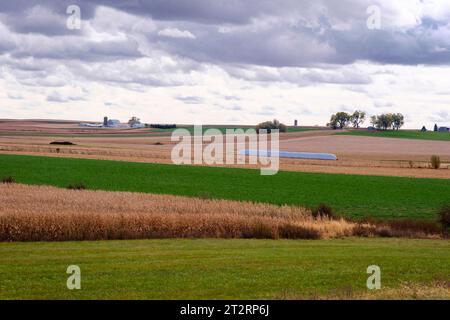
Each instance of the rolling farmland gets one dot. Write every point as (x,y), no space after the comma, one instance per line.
(225,154)
(351,195)
(195,221)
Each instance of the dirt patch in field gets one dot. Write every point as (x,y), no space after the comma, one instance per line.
(370,148)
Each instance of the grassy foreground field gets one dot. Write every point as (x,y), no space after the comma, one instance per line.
(430,135)
(352,195)
(218,269)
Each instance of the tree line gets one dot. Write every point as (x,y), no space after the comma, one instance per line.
(271,125)
(385,121)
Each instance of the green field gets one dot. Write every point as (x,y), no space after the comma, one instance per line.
(352,195)
(404,134)
(215,269)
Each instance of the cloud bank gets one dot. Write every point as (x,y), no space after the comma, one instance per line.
(188,61)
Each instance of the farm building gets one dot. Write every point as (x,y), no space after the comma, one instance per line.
(444,129)
(135,123)
(113,123)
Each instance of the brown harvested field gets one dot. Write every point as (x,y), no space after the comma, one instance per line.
(370,148)
(357,155)
(371,156)
(60,127)
(42,213)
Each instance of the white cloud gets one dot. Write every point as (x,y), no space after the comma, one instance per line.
(176,33)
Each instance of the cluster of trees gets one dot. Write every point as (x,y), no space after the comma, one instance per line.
(342,120)
(384,121)
(388,120)
(270,125)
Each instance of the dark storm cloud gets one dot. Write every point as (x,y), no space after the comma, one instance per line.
(204,11)
(417,45)
(37,19)
(279,46)
(285,45)
(217,11)
(227,11)
(58,7)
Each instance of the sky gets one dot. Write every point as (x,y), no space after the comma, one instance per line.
(225,61)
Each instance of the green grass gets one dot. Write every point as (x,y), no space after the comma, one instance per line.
(352,195)
(215,269)
(404,134)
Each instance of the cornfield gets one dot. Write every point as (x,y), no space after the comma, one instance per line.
(41,213)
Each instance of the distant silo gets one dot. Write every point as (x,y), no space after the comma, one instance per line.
(295,123)
(105,121)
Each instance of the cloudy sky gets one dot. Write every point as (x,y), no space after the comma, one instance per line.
(225,61)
